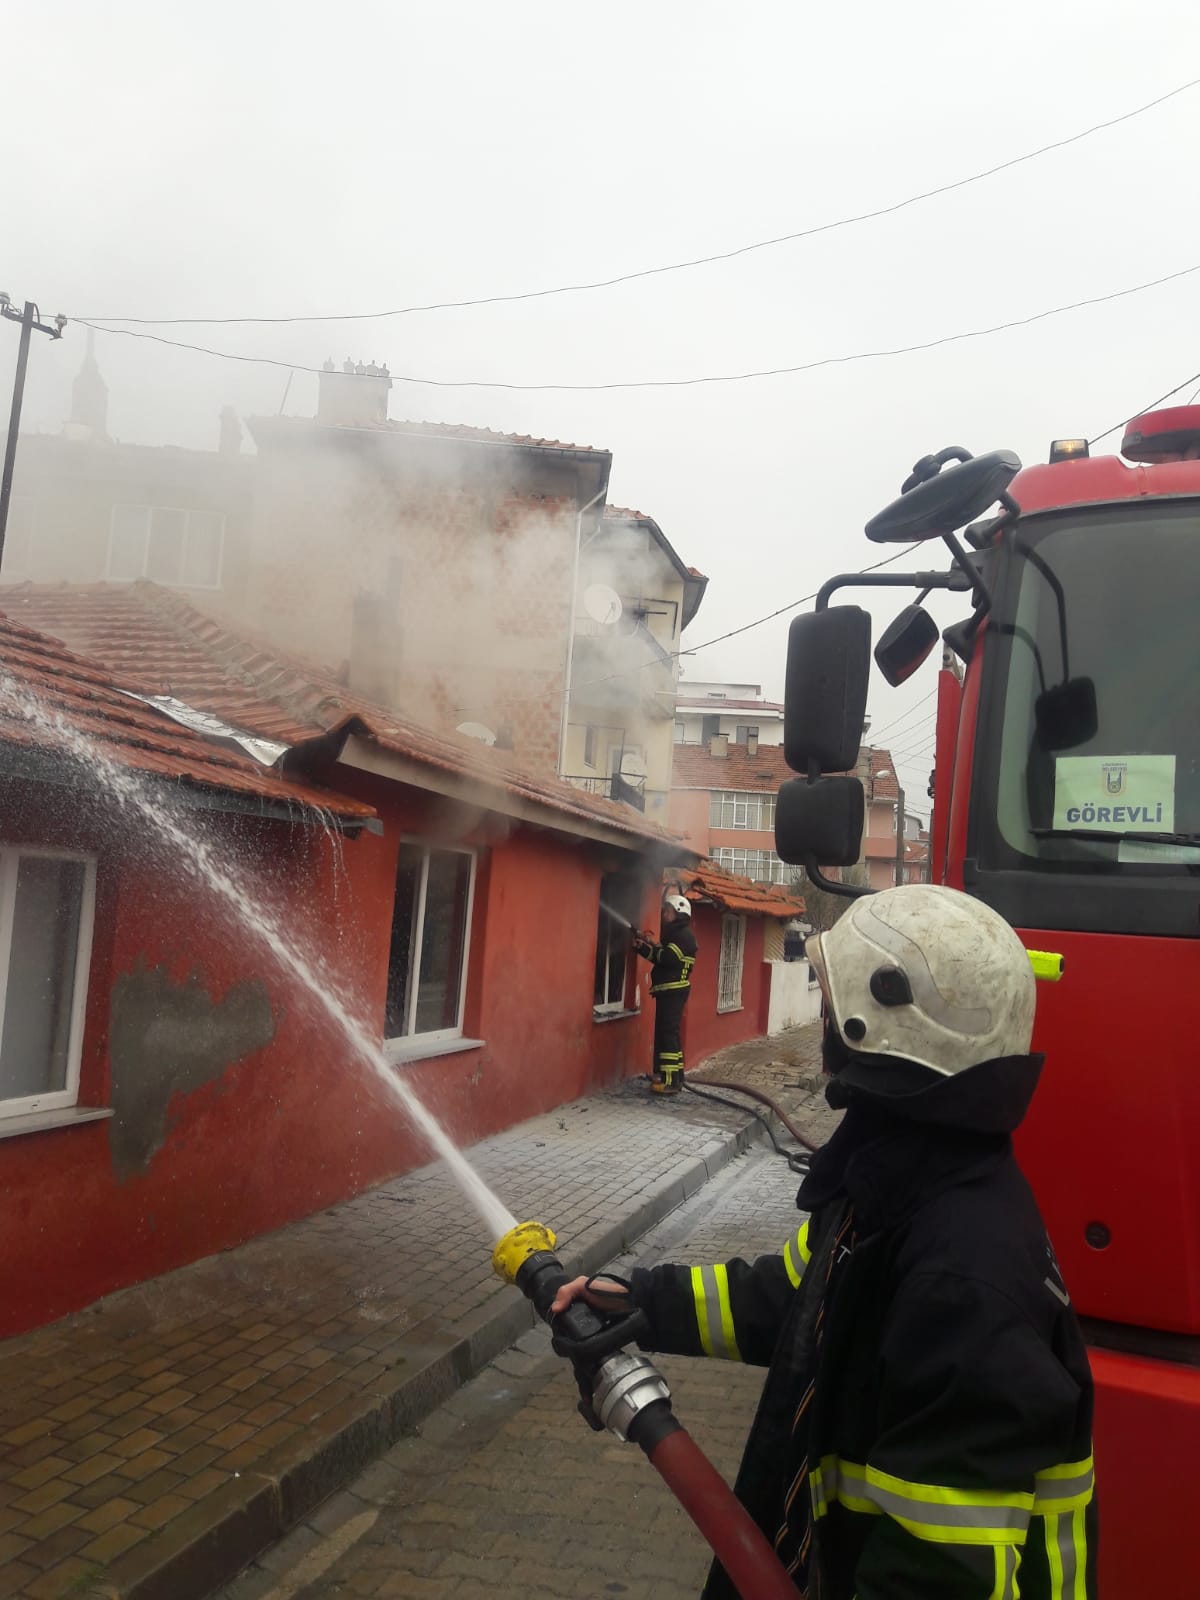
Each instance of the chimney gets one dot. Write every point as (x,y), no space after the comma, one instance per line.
(355,397)
(719,746)
(751,744)
(373,649)
(230,440)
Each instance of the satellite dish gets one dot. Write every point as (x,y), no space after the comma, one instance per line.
(476,730)
(633,765)
(602,604)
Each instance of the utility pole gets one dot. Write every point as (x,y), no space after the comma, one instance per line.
(29,318)
(899,833)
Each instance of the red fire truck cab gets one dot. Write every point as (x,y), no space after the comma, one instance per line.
(1066,794)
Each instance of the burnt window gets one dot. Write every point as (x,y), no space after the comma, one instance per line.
(620,899)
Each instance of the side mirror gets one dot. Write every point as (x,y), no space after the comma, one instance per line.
(825,697)
(906,642)
(1066,716)
(820,821)
(942,504)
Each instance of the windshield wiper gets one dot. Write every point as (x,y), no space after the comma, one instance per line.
(1109,837)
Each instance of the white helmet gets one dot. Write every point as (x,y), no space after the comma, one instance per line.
(678,903)
(926,974)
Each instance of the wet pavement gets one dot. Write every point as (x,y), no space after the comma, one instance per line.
(154,1444)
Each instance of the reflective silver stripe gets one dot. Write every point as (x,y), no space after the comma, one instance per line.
(1062,1489)
(1066,1555)
(1008,1560)
(927,1511)
(796,1255)
(710,1288)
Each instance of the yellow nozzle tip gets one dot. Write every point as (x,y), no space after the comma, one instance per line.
(1047,964)
(517,1245)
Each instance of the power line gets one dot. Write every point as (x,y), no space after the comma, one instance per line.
(1144,409)
(676,383)
(679,266)
(904,715)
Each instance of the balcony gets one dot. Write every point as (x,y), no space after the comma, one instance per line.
(617,665)
(628,791)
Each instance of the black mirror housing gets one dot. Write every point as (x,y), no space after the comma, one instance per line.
(942,504)
(825,697)
(905,644)
(820,821)
(1066,716)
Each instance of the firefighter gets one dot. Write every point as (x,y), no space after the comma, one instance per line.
(925,1425)
(672,958)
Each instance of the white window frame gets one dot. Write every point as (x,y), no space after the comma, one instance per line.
(763,866)
(741,810)
(611,929)
(10,861)
(590,741)
(186,511)
(733,950)
(404,1041)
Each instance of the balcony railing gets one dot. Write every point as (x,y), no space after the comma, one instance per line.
(629,791)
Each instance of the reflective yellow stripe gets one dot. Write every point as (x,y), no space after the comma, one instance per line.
(1066,1555)
(658,988)
(1054,1558)
(928,1511)
(1079,1539)
(1008,1561)
(802,1255)
(699,1297)
(714,1313)
(1063,1488)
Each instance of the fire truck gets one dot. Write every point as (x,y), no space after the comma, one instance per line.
(1066,794)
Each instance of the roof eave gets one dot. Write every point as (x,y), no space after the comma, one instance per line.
(363,754)
(35,764)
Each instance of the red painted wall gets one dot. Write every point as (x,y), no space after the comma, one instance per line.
(706,1029)
(296,1123)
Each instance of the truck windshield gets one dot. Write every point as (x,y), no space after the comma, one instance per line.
(1110,595)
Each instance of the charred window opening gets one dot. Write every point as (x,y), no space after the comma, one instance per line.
(620,900)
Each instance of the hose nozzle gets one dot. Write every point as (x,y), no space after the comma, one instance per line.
(518,1244)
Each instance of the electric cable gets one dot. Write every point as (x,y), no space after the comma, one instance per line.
(677,655)
(669,383)
(1141,412)
(877,733)
(680,266)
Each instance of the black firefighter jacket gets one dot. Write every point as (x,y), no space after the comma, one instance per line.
(672,960)
(948,1442)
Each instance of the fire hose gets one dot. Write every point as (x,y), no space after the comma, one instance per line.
(628,1396)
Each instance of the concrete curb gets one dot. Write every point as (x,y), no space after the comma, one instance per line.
(199,1551)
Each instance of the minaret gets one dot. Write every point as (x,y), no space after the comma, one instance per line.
(89,399)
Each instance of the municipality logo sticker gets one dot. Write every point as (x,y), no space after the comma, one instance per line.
(1115,775)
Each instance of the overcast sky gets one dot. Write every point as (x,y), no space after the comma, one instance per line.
(256,158)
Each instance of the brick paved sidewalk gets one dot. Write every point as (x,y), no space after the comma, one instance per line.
(151,1445)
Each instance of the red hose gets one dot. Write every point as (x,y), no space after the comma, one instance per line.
(753,1567)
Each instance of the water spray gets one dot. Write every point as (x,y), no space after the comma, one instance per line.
(627,1395)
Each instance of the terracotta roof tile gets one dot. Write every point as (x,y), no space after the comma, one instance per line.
(710,882)
(433,430)
(86,699)
(161,643)
(695,767)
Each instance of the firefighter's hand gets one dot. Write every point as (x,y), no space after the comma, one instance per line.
(582,1289)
